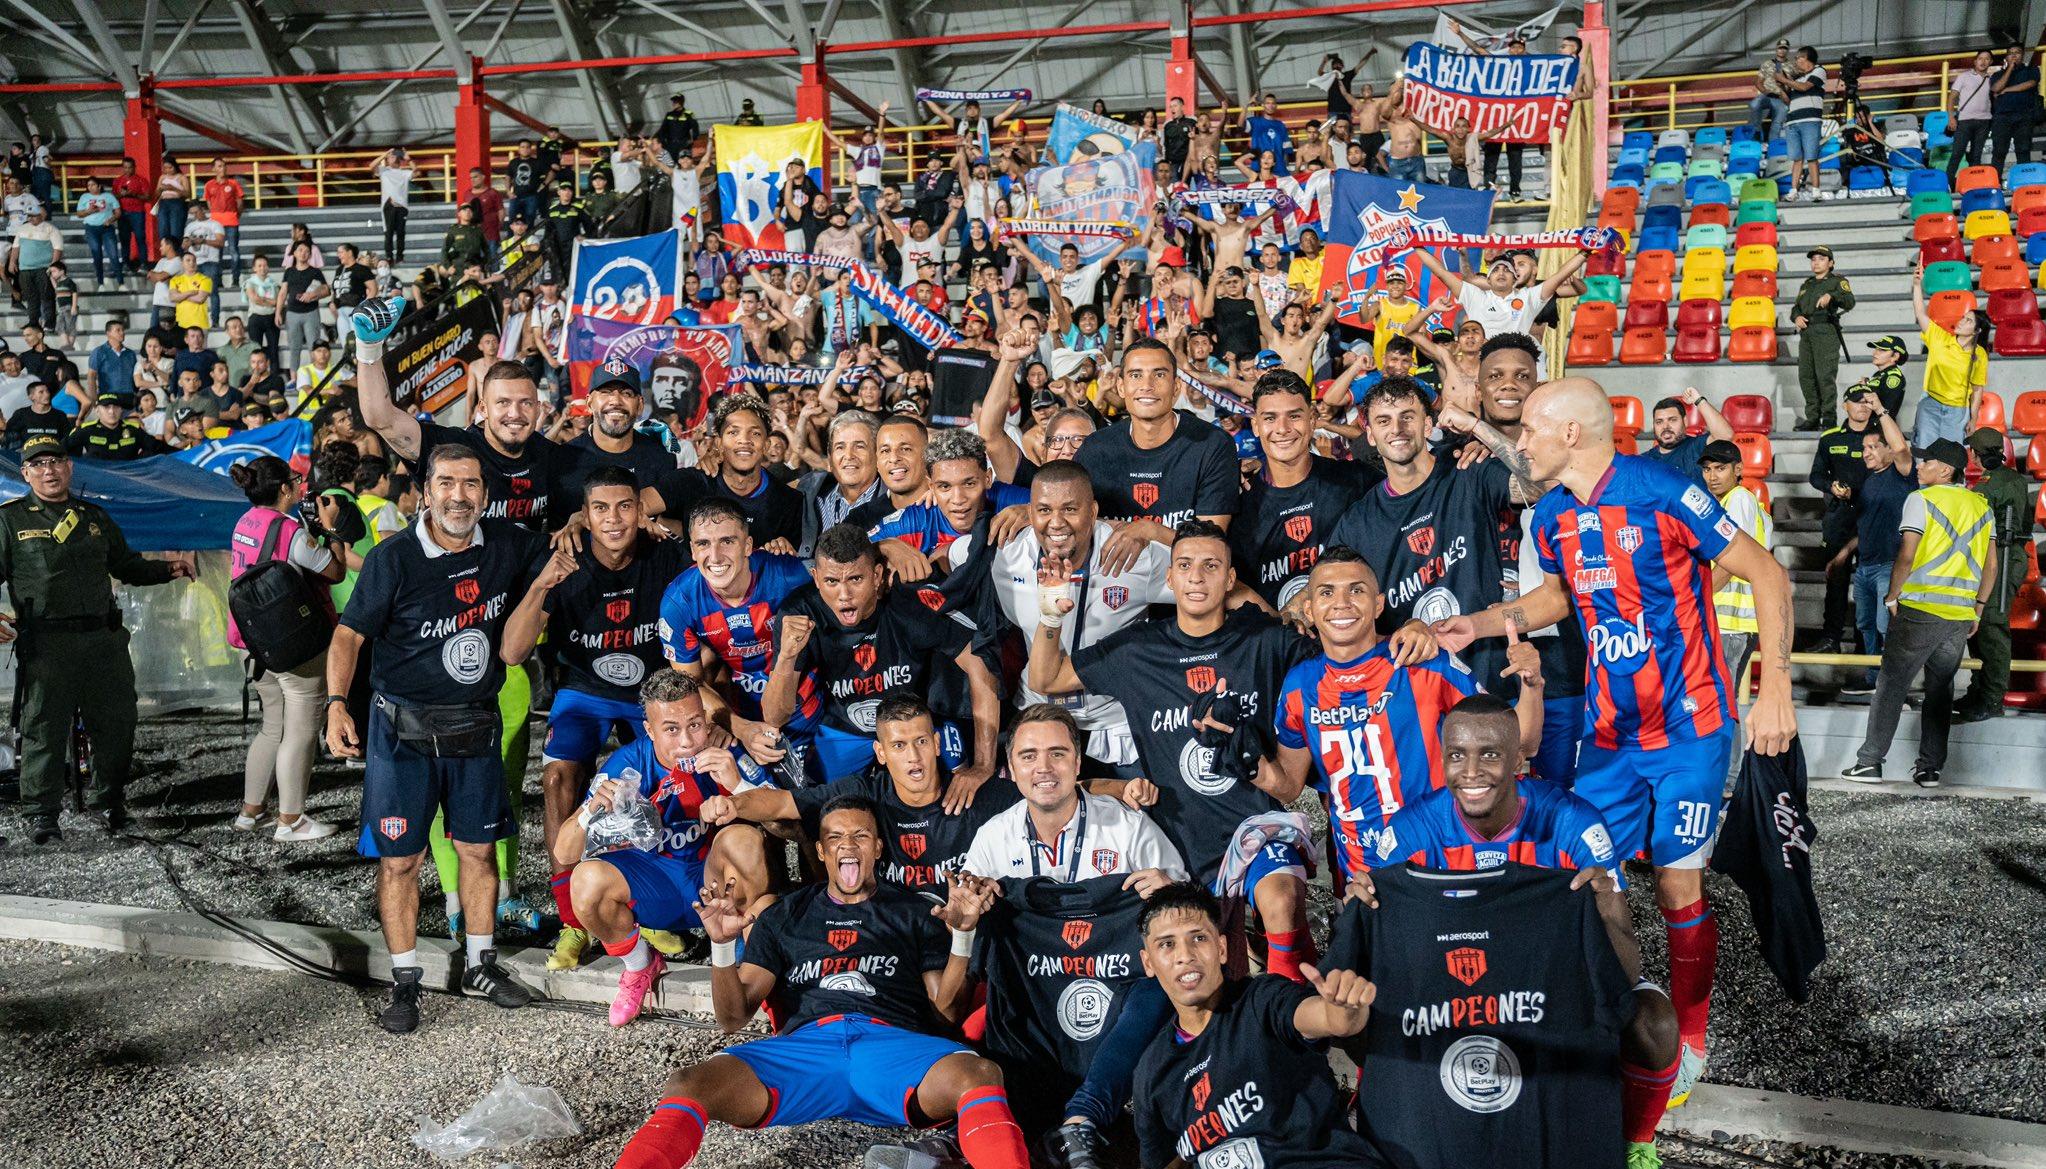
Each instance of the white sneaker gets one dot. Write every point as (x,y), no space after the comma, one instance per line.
(246,823)
(303,828)
(1690,1068)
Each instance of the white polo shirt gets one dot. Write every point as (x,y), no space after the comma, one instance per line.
(1105,837)
(1107,602)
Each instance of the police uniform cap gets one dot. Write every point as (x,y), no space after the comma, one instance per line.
(40,445)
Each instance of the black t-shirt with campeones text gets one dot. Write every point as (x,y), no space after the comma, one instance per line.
(904,643)
(521,488)
(1435,549)
(1194,473)
(919,844)
(1279,532)
(605,623)
(866,959)
(1058,960)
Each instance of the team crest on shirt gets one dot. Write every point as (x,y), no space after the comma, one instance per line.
(912,844)
(1699,502)
(842,940)
(520,484)
(1115,596)
(1076,933)
(1628,538)
(1299,527)
(1145,494)
(863,655)
(1106,860)
(466,591)
(1466,964)
(392,827)
(1422,541)
(1200,679)
(617,611)
(1202,1089)
(932,599)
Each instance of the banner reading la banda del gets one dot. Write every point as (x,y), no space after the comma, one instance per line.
(427,358)
(1506,97)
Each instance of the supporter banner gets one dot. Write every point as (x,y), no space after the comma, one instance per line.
(682,367)
(972,95)
(1256,196)
(1589,239)
(1493,40)
(1078,135)
(427,358)
(752,161)
(1365,212)
(1308,196)
(290,439)
(899,308)
(1507,97)
(768,257)
(520,261)
(1055,227)
(792,375)
(1108,189)
(632,281)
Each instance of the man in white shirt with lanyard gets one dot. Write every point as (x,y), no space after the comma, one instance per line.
(1124,574)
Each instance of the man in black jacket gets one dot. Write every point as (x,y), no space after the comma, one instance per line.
(1837,473)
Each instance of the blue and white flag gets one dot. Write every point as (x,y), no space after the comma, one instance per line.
(631,281)
(290,440)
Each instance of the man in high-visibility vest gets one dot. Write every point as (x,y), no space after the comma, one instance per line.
(1734,599)
(1944,574)
(2011,505)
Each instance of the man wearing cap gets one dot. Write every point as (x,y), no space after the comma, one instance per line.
(37,245)
(1390,312)
(1495,303)
(1838,470)
(678,131)
(1939,587)
(1886,381)
(56,553)
(1770,105)
(107,435)
(1889,478)
(566,218)
(613,440)
(2010,507)
(1821,301)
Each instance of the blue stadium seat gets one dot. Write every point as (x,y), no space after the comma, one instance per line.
(1634,156)
(1660,239)
(1830,154)
(1778,148)
(1918,182)
(2035,249)
(1676,154)
(1630,175)
(1744,134)
(1984,199)
(1670,217)
(1709,136)
(1745,157)
(1867,178)
(1907,156)
(1705,192)
(1638,139)
(1939,129)
(2024,174)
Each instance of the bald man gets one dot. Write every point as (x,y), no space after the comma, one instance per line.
(1642,545)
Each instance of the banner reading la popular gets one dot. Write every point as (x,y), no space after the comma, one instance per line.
(427,358)
(1365,210)
(1506,97)
(634,281)
(682,367)
(752,166)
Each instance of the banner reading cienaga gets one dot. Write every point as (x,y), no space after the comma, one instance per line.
(1506,97)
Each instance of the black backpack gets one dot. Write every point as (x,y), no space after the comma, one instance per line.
(282,620)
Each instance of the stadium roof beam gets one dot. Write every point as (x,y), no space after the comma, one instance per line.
(383,95)
(596,85)
(712,35)
(177,41)
(268,46)
(908,62)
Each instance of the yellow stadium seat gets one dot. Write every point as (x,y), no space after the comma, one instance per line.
(1755,258)
(1981,223)
(1752,312)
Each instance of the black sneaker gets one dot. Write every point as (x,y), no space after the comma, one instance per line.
(1076,1145)
(1806,424)
(1925,777)
(1970,714)
(1825,645)
(43,829)
(1864,773)
(401,1017)
(494,982)
(112,819)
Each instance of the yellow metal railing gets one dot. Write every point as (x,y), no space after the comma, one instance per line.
(1917,85)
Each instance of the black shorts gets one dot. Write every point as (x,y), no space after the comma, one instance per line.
(402,787)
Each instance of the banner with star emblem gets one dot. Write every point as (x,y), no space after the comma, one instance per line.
(752,165)
(1507,97)
(1365,210)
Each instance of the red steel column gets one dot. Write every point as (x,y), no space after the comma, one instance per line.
(142,141)
(1598,57)
(472,126)
(1182,74)
(813,103)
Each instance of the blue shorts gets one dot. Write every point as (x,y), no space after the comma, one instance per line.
(1802,138)
(1562,727)
(403,786)
(579,723)
(1273,859)
(842,1067)
(663,888)
(836,754)
(1662,804)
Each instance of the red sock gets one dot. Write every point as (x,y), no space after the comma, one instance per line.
(1644,1097)
(988,1133)
(559,886)
(621,949)
(1693,960)
(1286,951)
(669,1139)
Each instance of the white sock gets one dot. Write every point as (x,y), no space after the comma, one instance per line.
(504,891)
(402,959)
(454,903)
(638,957)
(477,944)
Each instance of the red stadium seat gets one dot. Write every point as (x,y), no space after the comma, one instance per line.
(1698,345)
(1753,343)
(1935,227)
(1947,308)
(1931,252)
(1717,213)
(1628,416)
(1756,282)
(1993,249)
(2031,221)
(1648,314)
(2028,413)
(2011,306)
(1989,412)
(1761,489)
(2024,337)
(2035,459)
(1698,313)
(1758,457)
(1644,345)
(1591,333)
(1613,262)
(1750,413)
(1750,234)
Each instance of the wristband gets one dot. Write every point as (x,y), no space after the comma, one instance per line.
(583,817)
(724,953)
(962,943)
(334,698)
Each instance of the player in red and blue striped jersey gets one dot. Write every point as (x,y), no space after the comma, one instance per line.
(1363,714)
(1629,547)
(723,610)
(961,487)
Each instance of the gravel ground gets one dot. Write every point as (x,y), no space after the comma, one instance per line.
(1928,999)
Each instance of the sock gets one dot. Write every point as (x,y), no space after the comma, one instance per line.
(633,951)
(453,901)
(1693,960)
(404,958)
(988,1133)
(669,1139)
(477,944)
(1286,950)
(559,887)
(504,891)
(1644,1097)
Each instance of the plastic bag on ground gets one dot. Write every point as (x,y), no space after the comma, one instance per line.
(511,1114)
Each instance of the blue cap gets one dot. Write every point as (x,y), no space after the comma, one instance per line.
(615,372)
(1267,359)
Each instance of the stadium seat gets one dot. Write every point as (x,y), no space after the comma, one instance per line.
(1906,157)
(1744,158)
(1747,235)
(1831,156)
(1628,174)
(1755,258)
(1606,262)
(1991,249)
(1648,314)
(1938,124)
(2025,174)
(1662,218)
(1761,489)
(2005,275)
(1755,211)
(1754,282)
(1638,140)
(1666,174)
(1704,275)
(2010,305)
(1980,223)
(1644,345)
(1705,167)
(1947,308)
(1752,344)
(1632,157)
(1708,235)
(1711,213)
(1927,228)
(1920,182)
(1665,195)
(2035,249)
(1936,251)
(1712,192)
(1983,199)
(1654,275)
(1868,178)
(1752,312)
(2028,413)
(2021,338)
(1591,332)
(1664,155)
(1607,289)
(1696,347)
(1628,416)
(1949,276)
(1709,136)
(2040,284)
(1630,444)
(2025,198)
(1932,203)
(2031,220)
(1760,191)
(1657,239)
(1989,412)
(2035,459)
(1750,413)
(1698,314)
(1680,138)
(1974,178)
(1758,457)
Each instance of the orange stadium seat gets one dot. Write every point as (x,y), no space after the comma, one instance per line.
(1752,344)
(1591,333)
(1947,308)
(1975,178)
(1628,416)
(2035,459)
(2000,275)
(1761,489)
(2028,413)
(1654,276)
(1644,345)
(1708,213)
(1750,413)
(1627,444)
(1627,199)
(1992,249)
(1758,457)
(1755,282)
(2025,199)
(1989,412)
(1936,226)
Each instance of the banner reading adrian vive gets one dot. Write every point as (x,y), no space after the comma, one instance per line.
(427,358)
(1506,97)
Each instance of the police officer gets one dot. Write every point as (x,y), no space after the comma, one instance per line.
(679,130)
(567,218)
(107,435)
(1837,473)
(2011,507)
(1886,380)
(72,652)
(1821,301)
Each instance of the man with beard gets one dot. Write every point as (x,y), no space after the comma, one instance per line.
(597,600)
(677,384)
(859,974)
(773,510)
(613,441)
(434,603)
(1160,464)
(1679,451)
(1295,497)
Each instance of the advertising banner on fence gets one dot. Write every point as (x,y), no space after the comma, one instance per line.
(635,281)
(1507,97)
(427,359)
(752,164)
(1366,210)
(682,367)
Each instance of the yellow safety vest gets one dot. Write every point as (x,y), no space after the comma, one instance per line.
(1736,602)
(1946,571)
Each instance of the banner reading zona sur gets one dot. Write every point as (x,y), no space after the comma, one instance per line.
(1507,97)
